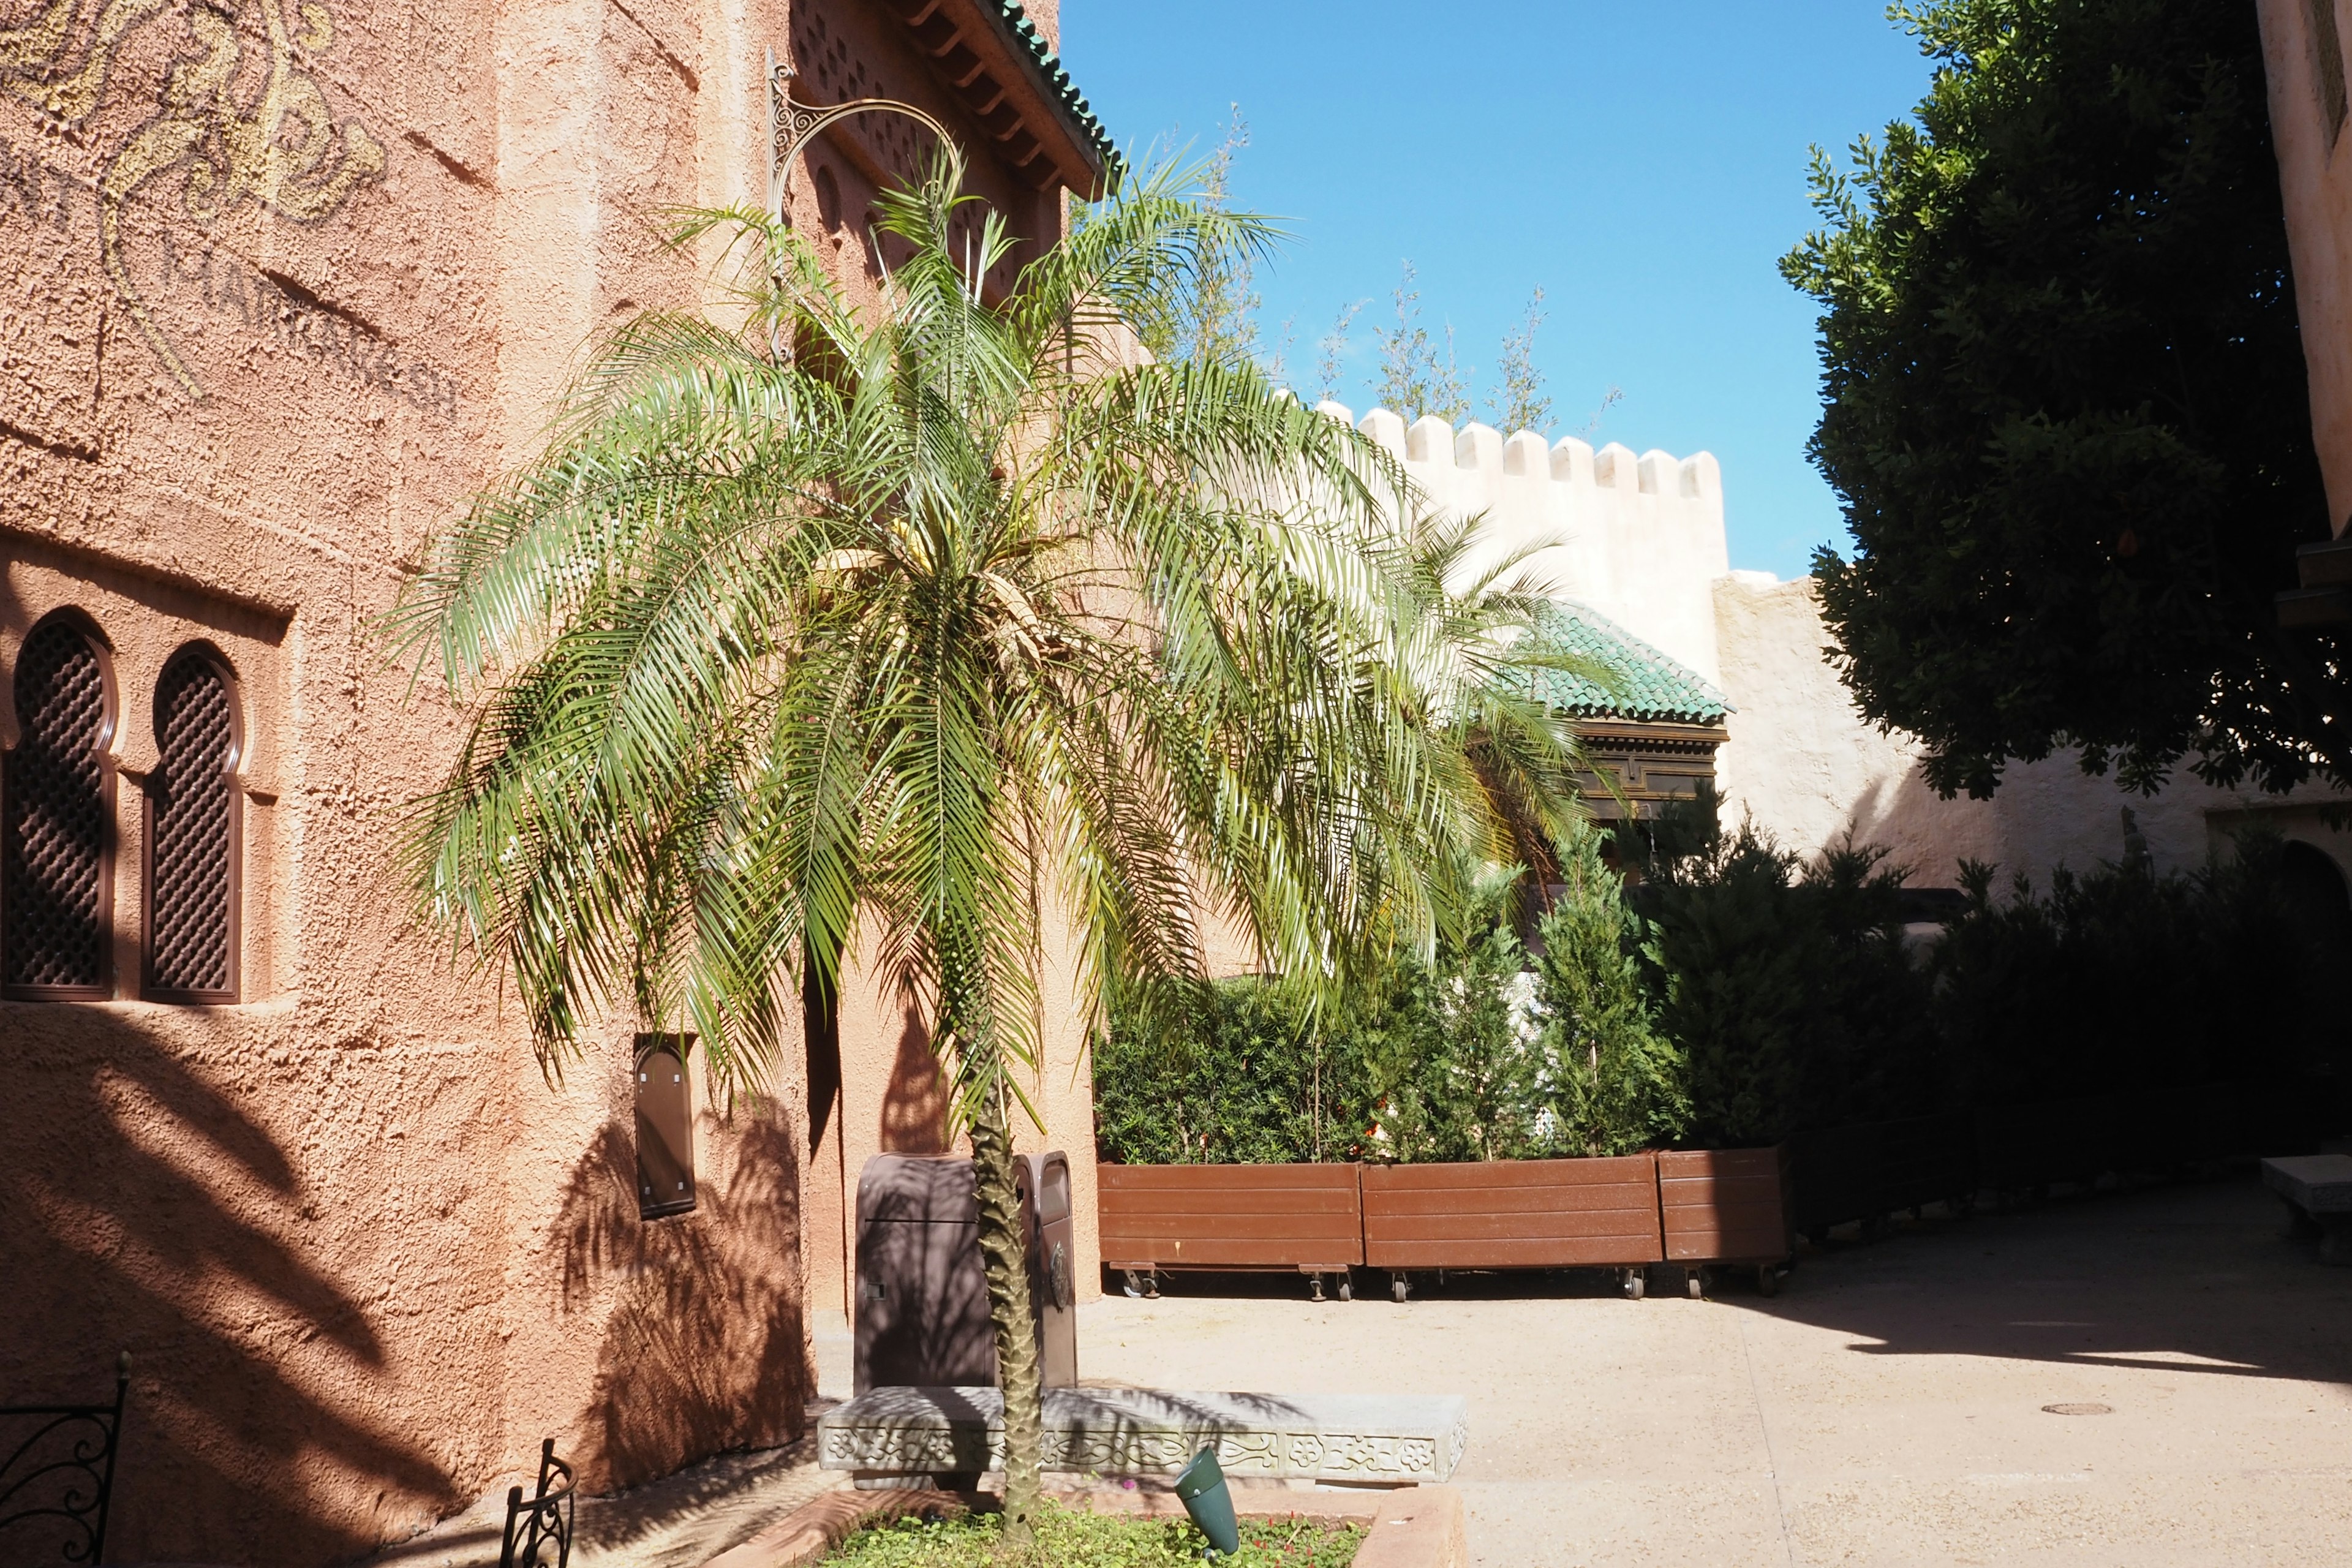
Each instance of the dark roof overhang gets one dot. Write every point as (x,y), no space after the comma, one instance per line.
(990,57)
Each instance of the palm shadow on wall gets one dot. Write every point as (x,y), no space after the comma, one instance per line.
(915,1103)
(703,1349)
(145,1209)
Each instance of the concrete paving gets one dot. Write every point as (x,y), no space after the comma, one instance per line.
(682,1520)
(1887,1408)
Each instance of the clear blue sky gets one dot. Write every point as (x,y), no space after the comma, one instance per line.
(1642,162)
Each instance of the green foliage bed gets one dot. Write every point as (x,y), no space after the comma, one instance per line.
(1735,995)
(1069,1538)
(1484,1053)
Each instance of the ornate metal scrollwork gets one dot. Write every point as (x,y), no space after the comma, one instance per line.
(62,1476)
(543,1520)
(791,124)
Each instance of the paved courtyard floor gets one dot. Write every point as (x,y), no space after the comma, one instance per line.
(1887,1408)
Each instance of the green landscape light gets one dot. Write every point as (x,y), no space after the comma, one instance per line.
(1201,1490)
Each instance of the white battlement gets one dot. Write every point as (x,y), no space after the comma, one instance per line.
(1639,538)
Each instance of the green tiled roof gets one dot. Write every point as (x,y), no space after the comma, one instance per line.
(1649,685)
(1057,79)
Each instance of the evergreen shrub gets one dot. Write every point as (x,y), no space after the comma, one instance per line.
(1733,996)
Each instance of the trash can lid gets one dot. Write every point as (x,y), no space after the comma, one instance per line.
(918,1188)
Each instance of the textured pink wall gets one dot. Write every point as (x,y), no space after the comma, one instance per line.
(364,1258)
(2319,196)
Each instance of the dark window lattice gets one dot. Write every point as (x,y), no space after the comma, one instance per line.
(53,903)
(190,898)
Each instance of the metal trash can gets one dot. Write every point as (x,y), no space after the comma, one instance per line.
(922,1298)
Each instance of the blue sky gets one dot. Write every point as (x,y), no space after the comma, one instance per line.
(1642,162)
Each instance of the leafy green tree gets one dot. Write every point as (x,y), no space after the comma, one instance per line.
(2065,405)
(1414,380)
(1618,1081)
(939,630)
(1456,1058)
(1251,1072)
(1785,984)
(1521,402)
(1215,319)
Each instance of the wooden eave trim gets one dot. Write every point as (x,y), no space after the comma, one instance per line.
(1017,83)
(1627,730)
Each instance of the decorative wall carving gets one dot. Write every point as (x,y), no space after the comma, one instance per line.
(1142,1432)
(280,147)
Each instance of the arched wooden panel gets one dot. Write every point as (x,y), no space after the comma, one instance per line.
(192,822)
(56,821)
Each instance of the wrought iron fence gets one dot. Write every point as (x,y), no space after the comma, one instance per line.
(61,1477)
(542,1519)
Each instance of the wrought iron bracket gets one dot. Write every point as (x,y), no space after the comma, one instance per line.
(793,124)
(61,1477)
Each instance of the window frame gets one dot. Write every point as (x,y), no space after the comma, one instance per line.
(226,673)
(110,727)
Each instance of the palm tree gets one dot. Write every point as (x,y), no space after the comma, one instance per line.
(919,631)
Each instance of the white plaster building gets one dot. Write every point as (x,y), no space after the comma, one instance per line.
(1640,540)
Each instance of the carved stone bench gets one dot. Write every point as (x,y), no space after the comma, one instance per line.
(2319,1193)
(888,1435)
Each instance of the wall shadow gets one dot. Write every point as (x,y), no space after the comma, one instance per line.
(143,1209)
(915,1103)
(702,1347)
(2193,1278)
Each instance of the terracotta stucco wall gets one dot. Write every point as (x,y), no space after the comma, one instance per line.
(364,1257)
(2315,178)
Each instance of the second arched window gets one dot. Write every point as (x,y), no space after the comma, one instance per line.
(192,826)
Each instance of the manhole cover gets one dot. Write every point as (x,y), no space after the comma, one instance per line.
(2079,1409)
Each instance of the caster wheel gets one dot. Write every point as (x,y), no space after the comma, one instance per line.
(1694,1283)
(1133,1287)
(1347,1290)
(1636,1287)
(1398,1291)
(1768,1280)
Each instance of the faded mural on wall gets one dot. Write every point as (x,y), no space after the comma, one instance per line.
(229,125)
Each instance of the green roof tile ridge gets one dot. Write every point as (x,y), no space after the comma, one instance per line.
(1017,21)
(1651,684)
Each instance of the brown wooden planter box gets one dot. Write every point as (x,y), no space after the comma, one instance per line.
(1160,1217)
(1725,1205)
(1513,1213)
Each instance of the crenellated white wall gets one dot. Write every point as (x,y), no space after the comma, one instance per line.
(1640,539)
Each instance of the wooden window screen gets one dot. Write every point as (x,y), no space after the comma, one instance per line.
(56,821)
(192,822)
(665,1126)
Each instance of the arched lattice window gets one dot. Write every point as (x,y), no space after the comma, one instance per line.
(56,820)
(192,823)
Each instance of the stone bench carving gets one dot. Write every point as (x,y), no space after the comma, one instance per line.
(1378,1439)
(2319,1193)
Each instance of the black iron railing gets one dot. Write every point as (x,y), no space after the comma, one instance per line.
(542,1520)
(59,1479)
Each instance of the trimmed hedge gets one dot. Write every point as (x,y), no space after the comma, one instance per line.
(1736,997)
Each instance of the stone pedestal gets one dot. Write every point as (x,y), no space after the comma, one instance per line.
(1366,1439)
(2317,1189)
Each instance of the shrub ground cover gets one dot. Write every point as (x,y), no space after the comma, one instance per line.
(1733,994)
(1068,1538)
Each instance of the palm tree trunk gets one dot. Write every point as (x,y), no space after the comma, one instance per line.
(1004,1255)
